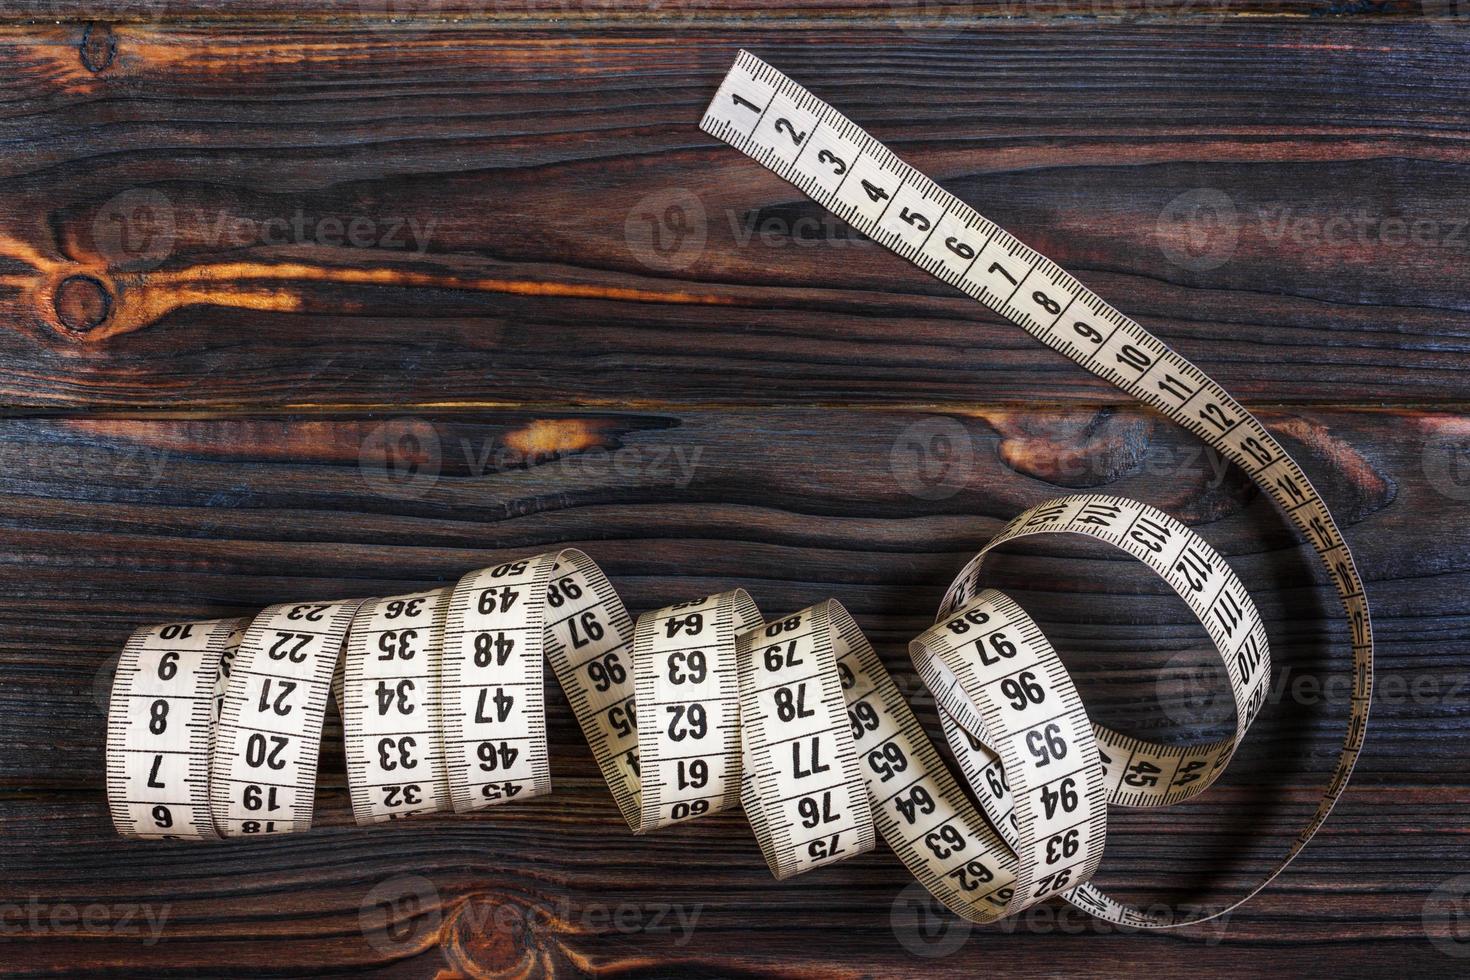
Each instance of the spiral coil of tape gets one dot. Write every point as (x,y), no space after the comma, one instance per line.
(692,709)
(214,727)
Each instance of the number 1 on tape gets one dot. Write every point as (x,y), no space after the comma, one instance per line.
(781,125)
(213,728)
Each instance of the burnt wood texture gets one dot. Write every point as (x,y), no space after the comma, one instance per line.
(314,300)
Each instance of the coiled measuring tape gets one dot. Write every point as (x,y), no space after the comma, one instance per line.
(776,122)
(705,704)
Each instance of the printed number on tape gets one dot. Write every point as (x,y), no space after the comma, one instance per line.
(214,727)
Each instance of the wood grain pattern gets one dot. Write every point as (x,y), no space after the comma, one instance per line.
(310,300)
(578,13)
(309,215)
(113,522)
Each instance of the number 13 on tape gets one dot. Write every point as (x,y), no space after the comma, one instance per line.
(781,125)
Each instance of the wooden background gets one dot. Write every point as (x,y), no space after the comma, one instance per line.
(311,300)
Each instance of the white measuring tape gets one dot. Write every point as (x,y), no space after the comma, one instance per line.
(214,728)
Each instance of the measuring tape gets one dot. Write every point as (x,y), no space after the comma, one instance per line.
(776,122)
(214,728)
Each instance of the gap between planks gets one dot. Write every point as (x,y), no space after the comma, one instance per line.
(790,18)
(470,407)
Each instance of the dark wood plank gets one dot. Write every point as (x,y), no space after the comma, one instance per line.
(109,523)
(961,15)
(490,216)
(544,883)
(509,169)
